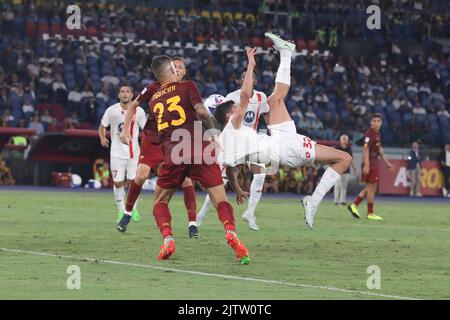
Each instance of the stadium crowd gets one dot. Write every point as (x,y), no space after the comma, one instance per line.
(57,84)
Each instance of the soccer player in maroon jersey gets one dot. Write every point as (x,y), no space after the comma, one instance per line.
(177,106)
(369,168)
(151,156)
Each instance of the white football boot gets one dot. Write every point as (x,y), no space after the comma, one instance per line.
(310,211)
(279,43)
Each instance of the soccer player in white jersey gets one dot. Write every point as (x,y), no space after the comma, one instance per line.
(124,158)
(257,106)
(284,146)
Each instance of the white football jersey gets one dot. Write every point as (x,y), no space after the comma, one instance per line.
(115,118)
(255,108)
(245,144)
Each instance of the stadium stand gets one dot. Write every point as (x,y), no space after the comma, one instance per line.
(331,93)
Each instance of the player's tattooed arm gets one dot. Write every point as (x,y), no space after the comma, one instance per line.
(385,160)
(241,195)
(247,89)
(125,136)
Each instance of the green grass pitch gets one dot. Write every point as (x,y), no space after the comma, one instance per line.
(411,248)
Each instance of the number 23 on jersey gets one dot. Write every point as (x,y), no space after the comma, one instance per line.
(172,106)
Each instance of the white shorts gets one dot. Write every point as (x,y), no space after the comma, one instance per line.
(121,166)
(294,150)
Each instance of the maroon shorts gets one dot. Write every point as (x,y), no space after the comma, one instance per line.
(372,177)
(151,154)
(171,176)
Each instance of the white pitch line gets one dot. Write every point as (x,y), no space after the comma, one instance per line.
(207,274)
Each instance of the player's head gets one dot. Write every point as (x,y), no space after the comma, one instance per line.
(125,93)
(375,121)
(415,145)
(224,112)
(241,80)
(180,66)
(343,139)
(164,69)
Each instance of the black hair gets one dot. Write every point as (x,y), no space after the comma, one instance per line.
(221,111)
(158,65)
(376,115)
(177,58)
(126,84)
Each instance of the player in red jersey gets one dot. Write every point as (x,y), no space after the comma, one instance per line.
(369,169)
(151,156)
(178,106)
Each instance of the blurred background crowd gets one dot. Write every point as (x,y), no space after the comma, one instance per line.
(399,71)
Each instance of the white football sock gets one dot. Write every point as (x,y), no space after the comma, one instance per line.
(255,192)
(284,70)
(327,181)
(204,210)
(119,196)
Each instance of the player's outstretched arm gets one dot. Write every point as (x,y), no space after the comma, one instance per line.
(241,195)
(246,91)
(125,136)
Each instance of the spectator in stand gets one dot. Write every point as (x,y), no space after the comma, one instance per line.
(6,177)
(27,108)
(72,122)
(101,173)
(340,188)
(22,123)
(7,119)
(271,184)
(54,126)
(414,160)
(46,118)
(37,125)
(74,98)
(444,159)
(59,90)
(443,112)
(110,79)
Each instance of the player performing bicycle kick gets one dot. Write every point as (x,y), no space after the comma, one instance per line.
(284,146)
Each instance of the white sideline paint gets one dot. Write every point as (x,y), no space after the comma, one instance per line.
(207,274)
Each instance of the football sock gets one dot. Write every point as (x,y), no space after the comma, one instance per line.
(206,205)
(369,207)
(358,200)
(256,188)
(162,217)
(226,215)
(284,70)
(167,239)
(191,204)
(327,181)
(119,195)
(133,193)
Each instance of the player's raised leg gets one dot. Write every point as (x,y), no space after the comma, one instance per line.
(278,111)
(339,162)
(191,206)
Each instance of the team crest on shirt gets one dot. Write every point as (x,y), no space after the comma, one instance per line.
(249,117)
(367,140)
